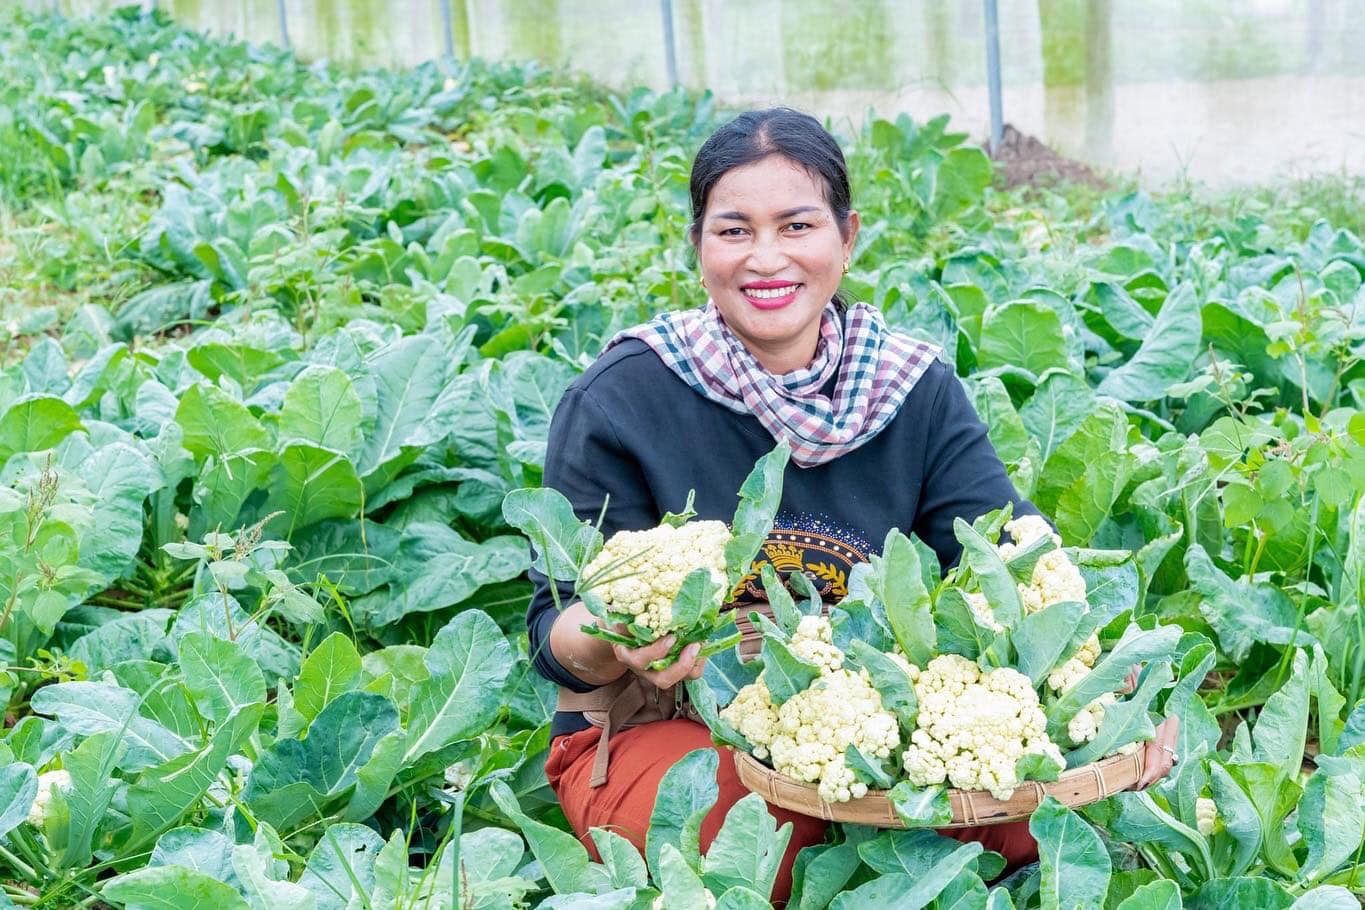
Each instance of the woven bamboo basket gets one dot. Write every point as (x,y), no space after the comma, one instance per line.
(1077,787)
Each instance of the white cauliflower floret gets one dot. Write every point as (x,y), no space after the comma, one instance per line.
(813,643)
(1206,815)
(652,567)
(807,735)
(1083,727)
(1055,579)
(973,728)
(1025,530)
(981,612)
(47,782)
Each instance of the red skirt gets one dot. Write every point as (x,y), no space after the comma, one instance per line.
(641,755)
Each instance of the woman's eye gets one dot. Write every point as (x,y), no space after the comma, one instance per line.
(798,225)
(731,232)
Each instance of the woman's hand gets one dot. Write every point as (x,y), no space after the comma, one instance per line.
(1159,755)
(637,660)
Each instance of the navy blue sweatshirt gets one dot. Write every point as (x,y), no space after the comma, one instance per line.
(630,429)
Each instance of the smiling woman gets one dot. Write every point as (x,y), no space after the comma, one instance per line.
(881,432)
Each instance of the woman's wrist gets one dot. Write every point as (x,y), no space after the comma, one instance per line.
(586,657)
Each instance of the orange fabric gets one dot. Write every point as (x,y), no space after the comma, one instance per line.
(641,755)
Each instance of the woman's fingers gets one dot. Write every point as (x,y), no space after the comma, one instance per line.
(639,659)
(1159,755)
(681,669)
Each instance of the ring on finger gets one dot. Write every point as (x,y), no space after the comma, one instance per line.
(1175,758)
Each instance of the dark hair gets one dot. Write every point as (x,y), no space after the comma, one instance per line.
(755,135)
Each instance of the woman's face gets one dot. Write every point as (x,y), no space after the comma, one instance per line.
(772,254)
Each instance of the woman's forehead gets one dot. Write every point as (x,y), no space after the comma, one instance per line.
(771,185)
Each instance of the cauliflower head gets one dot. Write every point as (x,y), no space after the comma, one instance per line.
(806,736)
(973,727)
(47,782)
(650,567)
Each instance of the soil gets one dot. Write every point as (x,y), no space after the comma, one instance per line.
(1023,160)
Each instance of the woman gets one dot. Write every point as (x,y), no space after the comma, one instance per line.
(882,435)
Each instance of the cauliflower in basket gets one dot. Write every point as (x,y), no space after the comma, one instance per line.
(645,569)
(1055,577)
(806,735)
(973,727)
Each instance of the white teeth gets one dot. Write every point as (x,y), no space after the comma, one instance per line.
(770,293)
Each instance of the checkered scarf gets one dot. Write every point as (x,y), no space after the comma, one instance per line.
(876,368)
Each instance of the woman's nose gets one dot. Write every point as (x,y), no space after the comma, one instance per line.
(766,255)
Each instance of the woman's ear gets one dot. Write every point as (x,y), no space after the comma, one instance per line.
(851,234)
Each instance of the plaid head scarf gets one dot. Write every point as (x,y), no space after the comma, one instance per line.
(876,368)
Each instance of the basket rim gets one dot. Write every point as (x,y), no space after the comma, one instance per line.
(1077,786)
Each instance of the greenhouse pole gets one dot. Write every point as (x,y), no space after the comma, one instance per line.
(670,51)
(993,74)
(284,24)
(448,23)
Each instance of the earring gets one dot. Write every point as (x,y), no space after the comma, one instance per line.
(845,266)
(703,282)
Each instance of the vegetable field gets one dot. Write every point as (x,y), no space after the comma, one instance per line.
(280,338)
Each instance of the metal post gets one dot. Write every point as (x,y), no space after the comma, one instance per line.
(993,74)
(670,51)
(448,26)
(284,24)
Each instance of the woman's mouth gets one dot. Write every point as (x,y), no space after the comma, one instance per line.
(770,297)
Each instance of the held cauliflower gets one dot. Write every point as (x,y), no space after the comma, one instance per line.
(1086,724)
(645,569)
(806,736)
(1055,577)
(973,727)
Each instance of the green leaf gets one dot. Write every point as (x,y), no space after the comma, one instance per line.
(1058,406)
(333,667)
(34,423)
(703,700)
(1239,816)
(780,599)
(897,581)
(1326,897)
(686,793)
(747,850)
(759,497)
(468,663)
(698,595)
(1239,894)
(921,807)
(820,873)
(566,863)
(1026,334)
(162,795)
(1159,895)
(623,862)
(1083,477)
(996,581)
(1135,647)
(217,424)
(911,891)
(76,815)
(681,886)
(892,683)
(1331,819)
(1041,639)
(89,708)
(785,673)
(1127,720)
(18,788)
(1006,430)
(1074,864)
(958,629)
(868,770)
(311,484)
(1168,352)
(172,888)
(220,677)
(341,866)
(545,516)
(408,376)
(1281,730)
(321,408)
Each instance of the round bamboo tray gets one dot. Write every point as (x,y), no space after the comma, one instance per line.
(1077,787)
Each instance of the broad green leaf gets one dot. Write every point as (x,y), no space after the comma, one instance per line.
(995,579)
(868,770)
(780,599)
(741,898)
(1239,894)
(958,629)
(468,663)
(747,850)
(623,862)
(223,485)
(897,889)
(172,888)
(1326,897)
(897,581)
(1239,816)
(199,849)
(759,497)
(892,683)
(18,788)
(322,408)
(217,424)
(1168,352)
(703,700)
(408,375)
(331,668)
(311,484)
(785,673)
(76,815)
(1331,819)
(35,423)
(120,478)
(913,853)
(1022,333)
(698,595)
(222,680)
(682,887)
(1135,647)
(1041,639)
(921,807)
(564,544)
(88,708)
(1158,895)
(1084,476)
(686,793)
(820,873)
(1007,433)
(1273,797)
(1127,720)
(1281,728)
(1058,406)
(1075,866)
(130,636)
(163,794)
(342,864)
(565,861)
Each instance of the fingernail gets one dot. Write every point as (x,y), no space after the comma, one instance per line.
(692,650)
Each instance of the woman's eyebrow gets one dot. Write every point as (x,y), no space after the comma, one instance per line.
(786,213)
